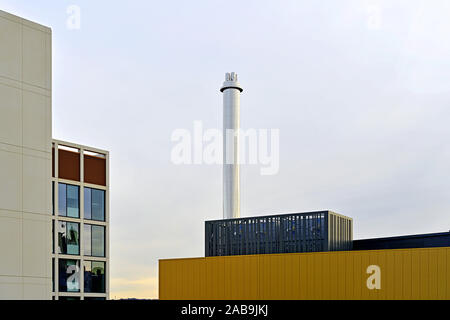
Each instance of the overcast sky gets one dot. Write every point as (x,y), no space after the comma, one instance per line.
(360,91)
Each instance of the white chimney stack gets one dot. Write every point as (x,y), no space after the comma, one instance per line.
(231,95)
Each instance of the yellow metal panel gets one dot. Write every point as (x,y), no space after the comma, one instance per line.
(263,275)
(303,276)
(357,276)
(288,285)
(279,275)
(325,274)
(349,281)
(398,276)
(219,273)
(235,276)
(333,276)
(415,274)
(309,274)
(389,273)
(273,277)
(228,277)
(321,262)
(424,274)
(433,272)
(163,279)
(377,258)
(365,292)
(448,273)
(341,264)
(441,272)
(295,271)
(405,274)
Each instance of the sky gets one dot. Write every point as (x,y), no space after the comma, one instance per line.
(359,91)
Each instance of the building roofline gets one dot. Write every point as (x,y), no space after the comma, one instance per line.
(412,236)
(281,215)
(80,146)
(25,22)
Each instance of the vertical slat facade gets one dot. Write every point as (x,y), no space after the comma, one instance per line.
(288,233)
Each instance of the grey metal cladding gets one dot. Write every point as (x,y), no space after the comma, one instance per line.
(285,233)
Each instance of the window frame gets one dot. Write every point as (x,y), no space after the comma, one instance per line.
(66,193)
(89,190)
(77,264)
(91,241)
(91,262)
(66,231)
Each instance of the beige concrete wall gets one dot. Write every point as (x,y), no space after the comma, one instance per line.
(25,159)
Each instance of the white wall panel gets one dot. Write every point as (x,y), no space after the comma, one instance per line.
(11,243)
(25,159)
(11,52)
(10,181)
(11,114)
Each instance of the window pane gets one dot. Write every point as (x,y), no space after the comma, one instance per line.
(98,241)
(53,236)
(73,238)
(94,276)
(98,205)
(73,203)
(69,275)
(53,275)
(62,199)
(87,203)
(87,240)
(98,271)
(62,237)
(53,197)
(68,238)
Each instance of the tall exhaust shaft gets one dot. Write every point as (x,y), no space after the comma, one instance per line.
(231,90)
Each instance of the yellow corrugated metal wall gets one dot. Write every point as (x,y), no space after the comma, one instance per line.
(405,274)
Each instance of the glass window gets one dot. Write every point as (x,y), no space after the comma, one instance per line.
(68,200)
(98,205)
(94,240)
(98,241)
(62,238)
(87,203)
(62,197)
(53,275)
(87,240)
(53,236)
(94,204)
(94,276)
(69,275)
(73,202)
(53,197)
(68,238)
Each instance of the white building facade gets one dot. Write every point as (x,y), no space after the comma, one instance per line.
(28,254)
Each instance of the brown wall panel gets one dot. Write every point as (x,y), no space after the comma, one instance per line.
(95,170)
(68,165)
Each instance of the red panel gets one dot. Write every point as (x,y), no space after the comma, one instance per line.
(95,170)
(68,165)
